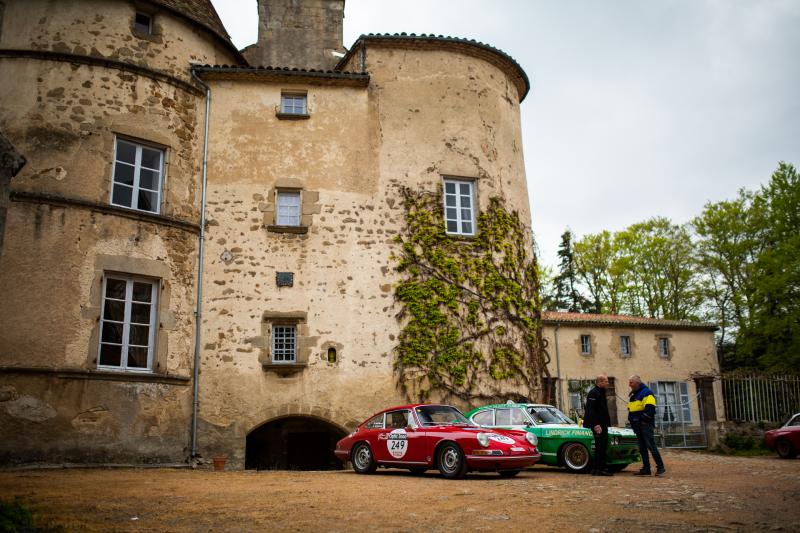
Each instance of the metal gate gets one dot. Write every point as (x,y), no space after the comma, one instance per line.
(679,422)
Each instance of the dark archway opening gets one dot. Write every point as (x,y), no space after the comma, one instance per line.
(293,443)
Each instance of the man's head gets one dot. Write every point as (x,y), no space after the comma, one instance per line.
(634,382)
(601,381)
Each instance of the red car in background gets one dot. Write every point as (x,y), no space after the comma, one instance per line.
(786,439)
(420,437)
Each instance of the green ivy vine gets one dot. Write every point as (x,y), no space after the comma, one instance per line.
(470,307)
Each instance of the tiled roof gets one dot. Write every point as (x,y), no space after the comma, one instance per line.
(333,77)
(479,49)
(203,13)
(557,317)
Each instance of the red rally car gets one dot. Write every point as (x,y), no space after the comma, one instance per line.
(786,439)
(420,437)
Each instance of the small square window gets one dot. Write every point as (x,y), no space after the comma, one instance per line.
(294,104)
(459,215)
(625,345)
(138,171)
(284,344)
(586,344)
(663,346)
(288,208)
(127,323)
(143,23)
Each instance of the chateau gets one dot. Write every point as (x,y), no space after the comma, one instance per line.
(308,144)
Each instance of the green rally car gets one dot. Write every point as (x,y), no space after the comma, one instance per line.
(562,442)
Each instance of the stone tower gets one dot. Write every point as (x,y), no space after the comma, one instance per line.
(298,34)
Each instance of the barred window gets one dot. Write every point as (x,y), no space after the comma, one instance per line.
(284,344)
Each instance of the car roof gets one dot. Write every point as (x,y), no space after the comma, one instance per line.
(498,405)
(407,406)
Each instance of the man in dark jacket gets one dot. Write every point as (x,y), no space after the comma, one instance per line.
(597,419)
(642,416)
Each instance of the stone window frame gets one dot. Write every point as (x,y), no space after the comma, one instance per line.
(149,10)
(659,337)
(165,317)
(309,206)
(473,184)
(282,112)
(303,346)
(162,186)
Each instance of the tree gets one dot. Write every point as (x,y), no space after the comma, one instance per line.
(567,296)
(600,268)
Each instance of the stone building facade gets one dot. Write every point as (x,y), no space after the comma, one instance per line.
(308,144)
(677,358)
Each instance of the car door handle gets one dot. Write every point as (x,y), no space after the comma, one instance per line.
(383,436)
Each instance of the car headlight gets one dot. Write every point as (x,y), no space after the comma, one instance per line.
(483,439)
(531,438)
(615,441)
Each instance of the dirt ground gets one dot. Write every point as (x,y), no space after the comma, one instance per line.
(701,492)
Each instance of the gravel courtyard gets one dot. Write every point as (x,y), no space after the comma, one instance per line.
(701,492)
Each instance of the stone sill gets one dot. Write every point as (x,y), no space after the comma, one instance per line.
(284,369)
(288,229)
(102,375)
(291,116)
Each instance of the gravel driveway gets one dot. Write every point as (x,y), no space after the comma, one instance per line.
(701,492)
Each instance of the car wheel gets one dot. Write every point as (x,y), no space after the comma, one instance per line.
(450,461)
(575,457)
(363,463)
(417,471)
(617,467)
(509,473)
(785,449)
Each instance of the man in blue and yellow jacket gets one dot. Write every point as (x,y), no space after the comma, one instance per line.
(642,416)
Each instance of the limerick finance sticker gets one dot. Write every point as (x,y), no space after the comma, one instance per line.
(397,443)
(501,438)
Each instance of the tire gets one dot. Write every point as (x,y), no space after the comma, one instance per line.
(450,461)
(363,462)
(617,467)
(785,449)
(575,457)
(417,471)
(508,473)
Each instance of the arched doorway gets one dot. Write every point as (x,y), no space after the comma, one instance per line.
(293,443)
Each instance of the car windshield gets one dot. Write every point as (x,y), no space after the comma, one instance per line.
(440,415)
(548,415)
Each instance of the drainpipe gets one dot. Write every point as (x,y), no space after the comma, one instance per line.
(198,314)
(558,371)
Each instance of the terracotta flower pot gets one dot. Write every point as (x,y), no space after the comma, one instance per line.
(219,462)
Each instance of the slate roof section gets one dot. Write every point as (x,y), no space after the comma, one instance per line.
(329,77)
(471,46)
(590,319)
(202,12)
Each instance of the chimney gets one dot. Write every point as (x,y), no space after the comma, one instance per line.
(298,34)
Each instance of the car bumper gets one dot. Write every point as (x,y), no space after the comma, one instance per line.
(342,455)
(506,462)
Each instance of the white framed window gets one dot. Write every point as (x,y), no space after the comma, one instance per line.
(284,344)
(459,211)
(586,344)
(625,345)
(128,323)
(294,104)
(288,208)
(663,347)
(672,401)
(143,23)
(137,178)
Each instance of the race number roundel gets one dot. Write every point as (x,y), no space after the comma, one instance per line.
(397,443)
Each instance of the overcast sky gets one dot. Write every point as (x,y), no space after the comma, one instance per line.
(637,108)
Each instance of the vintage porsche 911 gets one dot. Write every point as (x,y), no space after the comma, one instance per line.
(562,442)
(420,437)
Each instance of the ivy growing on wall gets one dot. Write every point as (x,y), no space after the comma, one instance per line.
(470,308)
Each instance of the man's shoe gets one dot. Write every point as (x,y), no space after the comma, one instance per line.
(661,471)
(604,473)
(642,472)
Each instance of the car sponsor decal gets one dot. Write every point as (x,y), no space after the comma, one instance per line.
(566,433)
(500,438)
(397,443)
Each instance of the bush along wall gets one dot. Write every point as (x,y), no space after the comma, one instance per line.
(470,308)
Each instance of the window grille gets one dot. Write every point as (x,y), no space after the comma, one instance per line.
(284,344)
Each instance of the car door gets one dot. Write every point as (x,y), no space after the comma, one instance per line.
(400,441)
(371,430)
